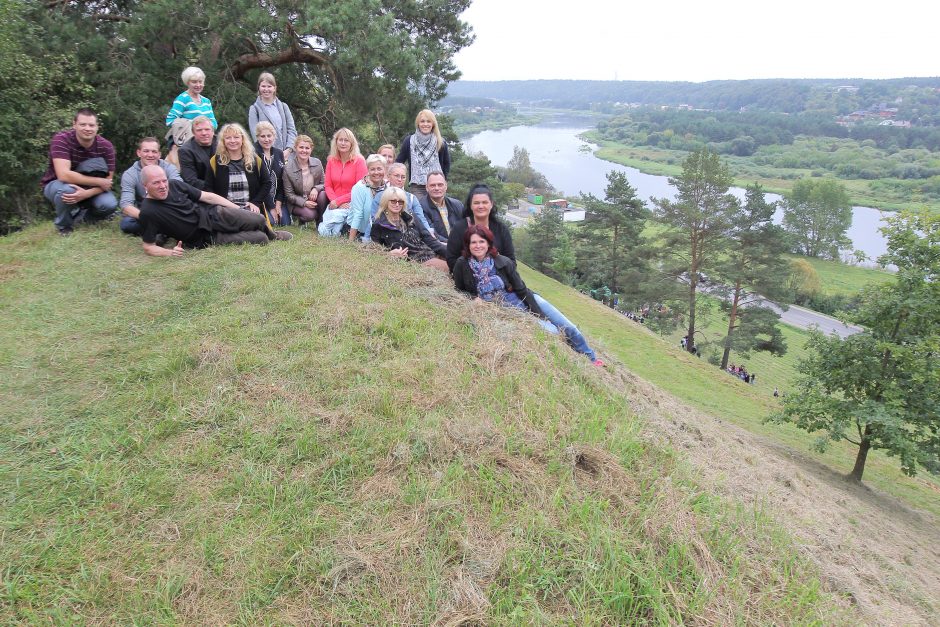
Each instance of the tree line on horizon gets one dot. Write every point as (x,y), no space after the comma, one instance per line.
(920,99)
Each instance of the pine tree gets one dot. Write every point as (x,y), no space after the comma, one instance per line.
(545,231)
(696,225)
(611,250)
(753,269)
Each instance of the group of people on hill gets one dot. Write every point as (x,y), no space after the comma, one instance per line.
(742,373)
(225,187)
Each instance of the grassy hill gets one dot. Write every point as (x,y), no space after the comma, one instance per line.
(310,433)
(705,387)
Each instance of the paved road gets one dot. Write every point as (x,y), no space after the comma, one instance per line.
(806,318)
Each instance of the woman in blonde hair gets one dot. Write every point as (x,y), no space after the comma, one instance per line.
(424,151)
(238,174)
(402,234)
(345,166)
(272,159)
(269,108)
(303,182)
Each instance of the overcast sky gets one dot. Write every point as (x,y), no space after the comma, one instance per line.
(700,40)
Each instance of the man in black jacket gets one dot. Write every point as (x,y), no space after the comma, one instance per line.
(194,155)
(441,210)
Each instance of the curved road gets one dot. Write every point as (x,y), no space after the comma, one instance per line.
(805,318)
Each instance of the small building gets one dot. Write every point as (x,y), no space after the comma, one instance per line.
(558,203)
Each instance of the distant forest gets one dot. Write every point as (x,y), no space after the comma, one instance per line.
(917,99)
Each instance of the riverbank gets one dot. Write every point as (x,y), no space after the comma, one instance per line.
(662,162)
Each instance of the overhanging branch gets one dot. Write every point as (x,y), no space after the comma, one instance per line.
(293,54)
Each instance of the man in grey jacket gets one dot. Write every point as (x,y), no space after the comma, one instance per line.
(132,188)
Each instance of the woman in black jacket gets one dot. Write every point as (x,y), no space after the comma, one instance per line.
(238,174)
(482,272)
(272,160)
(406,238)
(480,209)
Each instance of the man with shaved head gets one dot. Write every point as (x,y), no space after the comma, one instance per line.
(195,218)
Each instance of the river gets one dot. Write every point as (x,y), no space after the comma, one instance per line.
(569,164)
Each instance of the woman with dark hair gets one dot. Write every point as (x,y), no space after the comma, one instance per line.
(485,274)
(479,210)
(395,229)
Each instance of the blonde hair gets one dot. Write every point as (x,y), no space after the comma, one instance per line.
(384,146)
(353,151)
(264,125)
(267,77)
(302,138)
(222,156)
(192,73)
(389,194)
(437,132)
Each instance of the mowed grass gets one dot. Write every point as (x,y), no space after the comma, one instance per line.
(837,278)
(309,433)
(693,380)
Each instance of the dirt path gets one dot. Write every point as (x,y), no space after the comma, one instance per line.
(871,548)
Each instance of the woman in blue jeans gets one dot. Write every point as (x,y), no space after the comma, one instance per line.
(479,210)
(483,273)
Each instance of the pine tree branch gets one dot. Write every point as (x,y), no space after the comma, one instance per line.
(255,60)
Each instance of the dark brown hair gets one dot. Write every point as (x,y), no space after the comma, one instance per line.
(481,231)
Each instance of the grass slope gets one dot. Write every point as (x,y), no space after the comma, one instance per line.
(308,433)
(704,386)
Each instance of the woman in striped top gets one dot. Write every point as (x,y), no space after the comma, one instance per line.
(188,105)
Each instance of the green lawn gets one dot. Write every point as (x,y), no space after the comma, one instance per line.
(837,278)
(308,433)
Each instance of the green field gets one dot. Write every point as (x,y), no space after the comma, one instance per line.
(665,162)
(837,278)
(308,433)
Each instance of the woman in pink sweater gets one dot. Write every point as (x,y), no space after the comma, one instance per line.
(345,166)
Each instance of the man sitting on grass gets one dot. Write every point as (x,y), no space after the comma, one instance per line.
(132,188)
(173,208)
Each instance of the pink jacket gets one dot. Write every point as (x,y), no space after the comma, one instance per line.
(341,176)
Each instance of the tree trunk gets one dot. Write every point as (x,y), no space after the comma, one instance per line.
(731,320)
(690,344)
(863,447)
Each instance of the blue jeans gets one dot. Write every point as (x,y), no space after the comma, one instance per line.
(131,226)
(99,207)
(572,334)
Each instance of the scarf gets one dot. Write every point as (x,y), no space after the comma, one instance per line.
(424,157)
(489,283)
